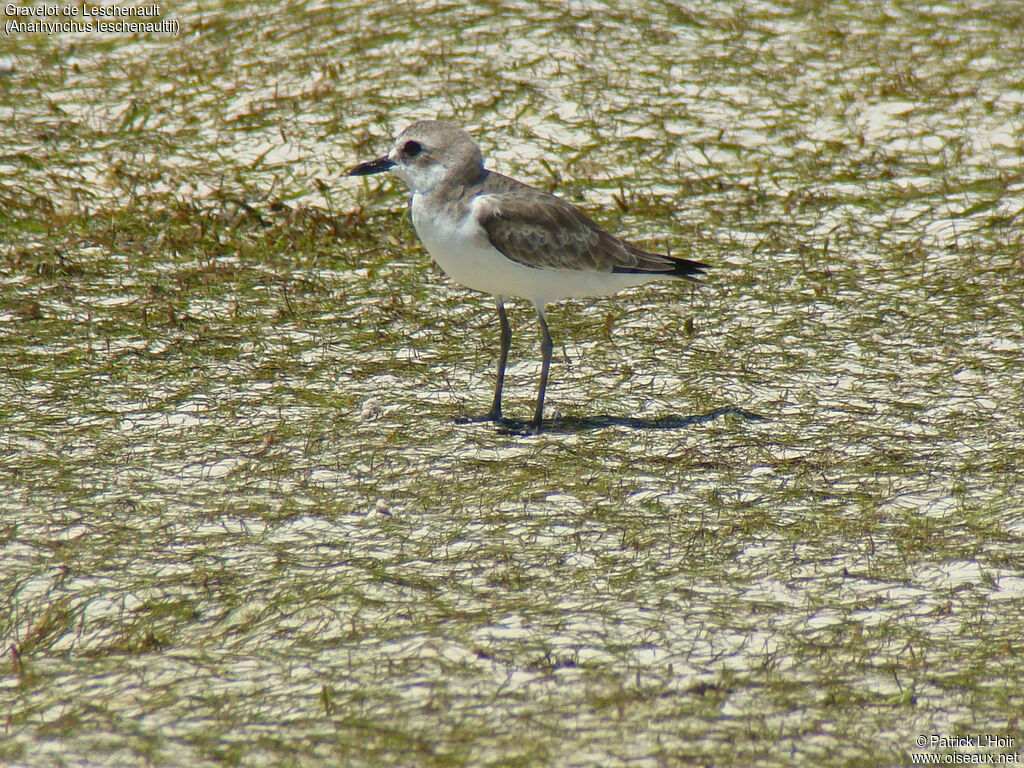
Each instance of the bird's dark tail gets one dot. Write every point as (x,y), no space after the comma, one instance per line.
(660,264)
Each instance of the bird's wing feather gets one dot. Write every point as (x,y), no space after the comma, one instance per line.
(539,230)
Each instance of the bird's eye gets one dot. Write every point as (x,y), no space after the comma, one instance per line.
(411,148)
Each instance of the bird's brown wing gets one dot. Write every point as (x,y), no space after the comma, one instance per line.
(541,231)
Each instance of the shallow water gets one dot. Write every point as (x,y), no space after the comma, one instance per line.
(241,522)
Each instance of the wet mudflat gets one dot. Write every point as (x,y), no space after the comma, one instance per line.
(777,519)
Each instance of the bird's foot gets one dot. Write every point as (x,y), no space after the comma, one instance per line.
(505,425)
(491,415)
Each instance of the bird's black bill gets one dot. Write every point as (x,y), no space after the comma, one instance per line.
(379,165)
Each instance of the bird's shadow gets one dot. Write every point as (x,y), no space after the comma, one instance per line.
(575,424)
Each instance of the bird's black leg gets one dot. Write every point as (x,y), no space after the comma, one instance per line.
(506,341)
(545,348)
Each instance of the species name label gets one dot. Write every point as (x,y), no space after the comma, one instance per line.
(64,19)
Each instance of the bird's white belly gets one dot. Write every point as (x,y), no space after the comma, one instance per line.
(462,250)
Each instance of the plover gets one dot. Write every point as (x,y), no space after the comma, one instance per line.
(497,235)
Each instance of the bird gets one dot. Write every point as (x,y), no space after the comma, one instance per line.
(493,234)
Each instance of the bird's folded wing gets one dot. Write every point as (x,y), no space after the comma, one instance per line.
(539,230)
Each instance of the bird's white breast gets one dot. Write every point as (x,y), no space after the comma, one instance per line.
(460,247)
